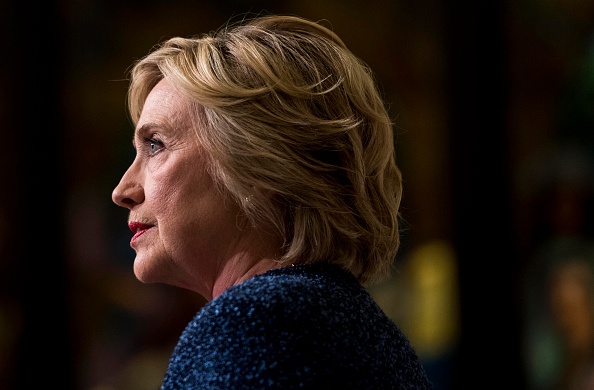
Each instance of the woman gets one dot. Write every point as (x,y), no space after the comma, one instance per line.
(265,180)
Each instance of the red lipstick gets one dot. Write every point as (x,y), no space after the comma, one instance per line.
(138,229)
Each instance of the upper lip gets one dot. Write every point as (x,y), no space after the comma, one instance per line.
(138,226)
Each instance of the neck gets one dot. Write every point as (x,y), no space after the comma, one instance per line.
(239,271)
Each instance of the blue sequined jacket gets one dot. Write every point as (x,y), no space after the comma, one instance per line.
(302,327)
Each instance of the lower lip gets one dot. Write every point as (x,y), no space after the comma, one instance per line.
(138,234)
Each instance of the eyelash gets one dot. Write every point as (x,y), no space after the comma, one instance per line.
(150,142)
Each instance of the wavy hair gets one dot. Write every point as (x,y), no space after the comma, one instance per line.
(296,132)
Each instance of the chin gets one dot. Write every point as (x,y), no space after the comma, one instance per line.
(146,273)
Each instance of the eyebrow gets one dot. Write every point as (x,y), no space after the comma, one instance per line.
(139,131)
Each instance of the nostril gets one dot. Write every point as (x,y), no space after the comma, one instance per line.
(128,201)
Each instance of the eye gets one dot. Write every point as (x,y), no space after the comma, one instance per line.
(153,145)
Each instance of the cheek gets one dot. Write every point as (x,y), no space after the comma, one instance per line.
(195,225)
(176,178)
(160,196)
(183,198)
(189,211)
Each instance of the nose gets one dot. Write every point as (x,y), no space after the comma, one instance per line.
(128,193)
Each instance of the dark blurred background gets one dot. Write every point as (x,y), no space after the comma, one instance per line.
(494,112)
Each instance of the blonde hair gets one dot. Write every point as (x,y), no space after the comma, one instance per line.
(297,134)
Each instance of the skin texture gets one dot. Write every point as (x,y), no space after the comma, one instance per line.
(190,236)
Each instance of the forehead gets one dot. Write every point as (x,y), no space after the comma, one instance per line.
(164,106)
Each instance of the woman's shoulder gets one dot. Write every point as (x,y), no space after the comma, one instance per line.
(315,319)
(319,295)
(300,300)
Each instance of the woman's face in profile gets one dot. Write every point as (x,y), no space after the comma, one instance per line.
(183,230)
